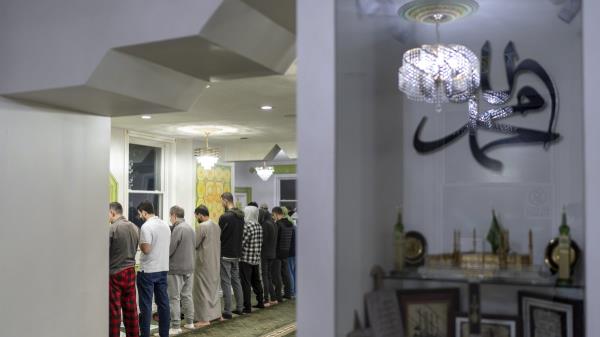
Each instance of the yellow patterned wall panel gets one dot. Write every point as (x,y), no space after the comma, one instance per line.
(209,187)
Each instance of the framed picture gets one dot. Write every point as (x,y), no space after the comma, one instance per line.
(491,326)
(429,312)
(243,195)
(548,316)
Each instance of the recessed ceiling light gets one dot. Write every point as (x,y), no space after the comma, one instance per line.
(207,86)
(266,107)
(146,117)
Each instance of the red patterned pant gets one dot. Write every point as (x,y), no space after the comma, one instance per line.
(122,295)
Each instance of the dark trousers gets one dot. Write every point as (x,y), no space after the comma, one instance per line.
(265,270)
(276,276)
(280,271)
(287,278)
(292,268)
(148,284)
(250,275)
(122,298)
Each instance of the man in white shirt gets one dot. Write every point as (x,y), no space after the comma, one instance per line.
(155,238)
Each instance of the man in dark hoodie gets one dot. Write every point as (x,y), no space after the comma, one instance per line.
(232,228)
(285,234)
(268,255)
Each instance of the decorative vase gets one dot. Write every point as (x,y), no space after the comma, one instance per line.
(399,246)
(399,242)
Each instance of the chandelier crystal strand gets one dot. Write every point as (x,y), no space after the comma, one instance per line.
(207,157)
(439,73)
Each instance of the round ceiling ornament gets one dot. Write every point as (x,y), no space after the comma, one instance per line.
(437,11)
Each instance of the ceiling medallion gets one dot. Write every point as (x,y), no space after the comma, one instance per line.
(437,11)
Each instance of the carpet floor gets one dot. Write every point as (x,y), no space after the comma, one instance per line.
(276,321)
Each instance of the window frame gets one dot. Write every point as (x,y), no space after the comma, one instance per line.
(166,146)
(278,179)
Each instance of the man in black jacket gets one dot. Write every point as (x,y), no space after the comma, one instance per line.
(285,234)
(232,227)
(269,244)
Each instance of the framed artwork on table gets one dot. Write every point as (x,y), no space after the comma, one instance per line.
(548,316)
(429,312)
(491,326)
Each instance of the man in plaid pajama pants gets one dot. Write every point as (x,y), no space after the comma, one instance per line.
(124,239)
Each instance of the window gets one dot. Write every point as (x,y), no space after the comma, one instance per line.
(145,178)
(286,192)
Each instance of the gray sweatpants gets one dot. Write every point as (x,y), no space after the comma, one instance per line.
(230,277)
(180,295)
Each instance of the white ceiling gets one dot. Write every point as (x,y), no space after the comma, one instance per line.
(232,104)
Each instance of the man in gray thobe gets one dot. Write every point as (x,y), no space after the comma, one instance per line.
(181,269)
(207,303)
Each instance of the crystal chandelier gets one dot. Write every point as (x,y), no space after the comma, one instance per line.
(439,73)
(207,157)
(264,172)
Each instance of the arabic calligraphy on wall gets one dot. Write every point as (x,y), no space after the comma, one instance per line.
(529,100)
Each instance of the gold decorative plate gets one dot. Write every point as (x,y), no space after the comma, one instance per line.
(551,255)
(415,248)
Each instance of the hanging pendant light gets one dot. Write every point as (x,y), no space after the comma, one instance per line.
(207,157)
(264,172)
(438,73)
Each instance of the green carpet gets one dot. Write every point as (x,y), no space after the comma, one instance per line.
(259,323)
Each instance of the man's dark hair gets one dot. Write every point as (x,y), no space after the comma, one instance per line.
(146,206)
(277,210)
(116,207)
(201,210)
(253,203)
(227,197)
(177,211)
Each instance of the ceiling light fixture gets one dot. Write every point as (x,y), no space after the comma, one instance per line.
(266,108)
(146,117)
(207,157)
(264,172)
(438,73)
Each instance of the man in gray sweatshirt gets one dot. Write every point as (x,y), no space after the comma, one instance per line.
(181,271)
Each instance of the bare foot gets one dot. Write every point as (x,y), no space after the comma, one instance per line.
(273,303)
(199,325)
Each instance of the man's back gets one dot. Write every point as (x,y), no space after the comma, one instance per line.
(269,236)
(182,249)
(252,243)
(124,240)
(156,233)
(232,228)
(285,232)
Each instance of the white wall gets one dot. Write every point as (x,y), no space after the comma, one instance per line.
(262,191)
(353,115)
(316,168)
(180,170)
(591,54)
(54,239)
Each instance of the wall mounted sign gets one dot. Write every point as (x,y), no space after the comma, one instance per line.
(528,100)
